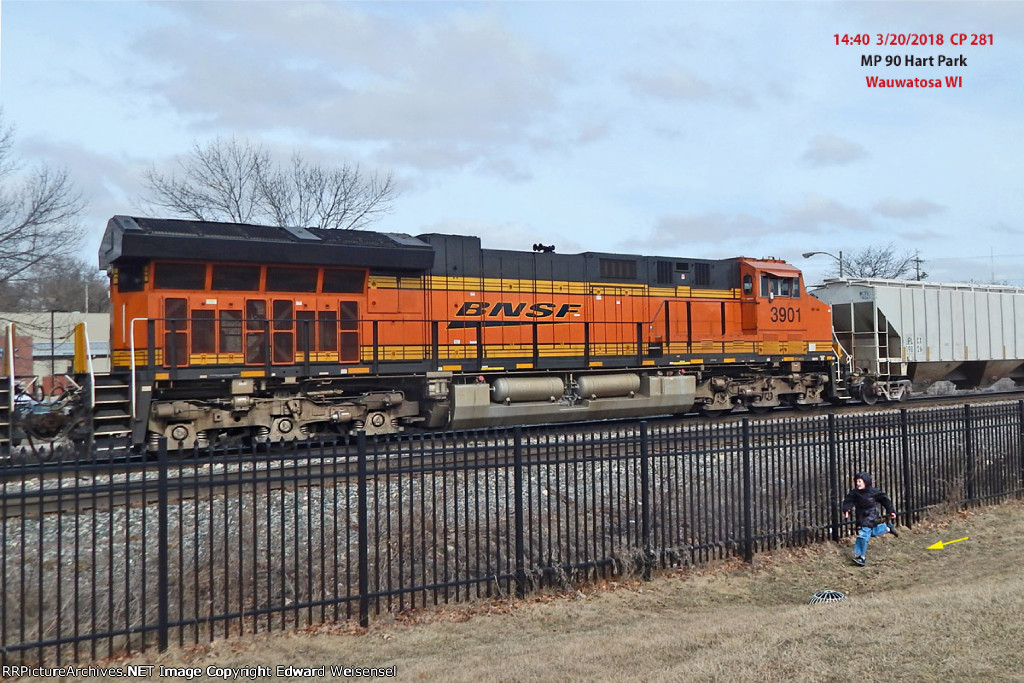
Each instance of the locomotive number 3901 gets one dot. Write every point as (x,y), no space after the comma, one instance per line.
(785,314)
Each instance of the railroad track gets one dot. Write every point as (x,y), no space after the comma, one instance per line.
(32,491)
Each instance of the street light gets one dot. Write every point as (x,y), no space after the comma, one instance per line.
(839,259)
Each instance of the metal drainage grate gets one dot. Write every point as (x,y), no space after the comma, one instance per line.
(826,596)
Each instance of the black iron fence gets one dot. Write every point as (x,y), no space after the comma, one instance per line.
(101,558)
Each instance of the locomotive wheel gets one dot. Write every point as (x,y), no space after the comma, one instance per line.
(760,410)
(867,393)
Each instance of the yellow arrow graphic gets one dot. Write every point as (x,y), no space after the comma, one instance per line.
(940,545)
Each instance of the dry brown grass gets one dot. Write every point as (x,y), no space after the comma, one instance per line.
(911,614)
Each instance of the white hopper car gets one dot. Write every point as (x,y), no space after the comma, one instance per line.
(906,334)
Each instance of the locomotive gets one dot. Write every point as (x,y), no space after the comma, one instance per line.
(224,331)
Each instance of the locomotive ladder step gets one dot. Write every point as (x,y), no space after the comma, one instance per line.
(112,385)
(113,400)
(112,424)
(112,389)
(112,432)
(109,379)
(111,416)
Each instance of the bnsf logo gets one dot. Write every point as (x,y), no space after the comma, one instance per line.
(538,310)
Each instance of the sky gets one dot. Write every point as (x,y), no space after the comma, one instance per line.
(685,129)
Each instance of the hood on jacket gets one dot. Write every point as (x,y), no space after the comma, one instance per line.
(866,476)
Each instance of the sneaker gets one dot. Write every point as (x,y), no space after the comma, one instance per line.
(892,529)
(859,560)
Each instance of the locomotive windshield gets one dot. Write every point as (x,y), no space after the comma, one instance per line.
(779,286)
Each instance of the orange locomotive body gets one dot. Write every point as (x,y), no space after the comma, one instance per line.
(230,331)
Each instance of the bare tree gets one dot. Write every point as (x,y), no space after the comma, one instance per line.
(237,181)
(62,284)
(220,181)
(334,198)
(883,262)
(38,214)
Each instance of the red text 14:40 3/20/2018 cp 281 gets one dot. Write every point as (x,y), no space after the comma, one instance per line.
(912,39)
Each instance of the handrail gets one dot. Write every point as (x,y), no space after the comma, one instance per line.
(91,372)
(131,342)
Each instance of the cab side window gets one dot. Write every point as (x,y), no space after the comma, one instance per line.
(130,277)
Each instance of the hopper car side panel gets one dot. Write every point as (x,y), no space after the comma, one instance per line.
(919,333)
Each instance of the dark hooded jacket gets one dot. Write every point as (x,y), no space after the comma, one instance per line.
(866,501)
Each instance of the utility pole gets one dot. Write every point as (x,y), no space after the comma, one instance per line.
(917,265)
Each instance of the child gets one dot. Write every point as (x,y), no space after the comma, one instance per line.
(865,498)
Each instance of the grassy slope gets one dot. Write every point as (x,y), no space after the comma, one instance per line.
(911,614)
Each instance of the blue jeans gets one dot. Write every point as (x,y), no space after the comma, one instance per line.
(865,534)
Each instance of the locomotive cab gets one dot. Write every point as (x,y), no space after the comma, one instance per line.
(789,333)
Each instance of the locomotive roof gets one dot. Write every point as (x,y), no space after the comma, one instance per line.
(136,238)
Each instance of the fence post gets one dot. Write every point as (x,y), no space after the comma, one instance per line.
(1020,447)
(517,478)
(748,525)
(586,344)
(645,501)
(362,514)
(640,344)
(307,339)
(268,360)
(969,466)
(908,489)
(479,346)
(163,609)
(536,345)
(150,347)
(833,475)
(435,343)
(172,349)
(375,363)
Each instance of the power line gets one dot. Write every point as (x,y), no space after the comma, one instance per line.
(964,258)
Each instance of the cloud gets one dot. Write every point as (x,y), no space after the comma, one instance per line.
(920,236)
(741,231)
(672,84)
(817,212)
(431,155)
(678,84)
(1005,229)
(671,231)
(592,131)
(503,235)
(830,150)
(341,73)
(914,209)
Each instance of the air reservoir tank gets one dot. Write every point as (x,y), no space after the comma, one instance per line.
(519,389)
(606,386)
